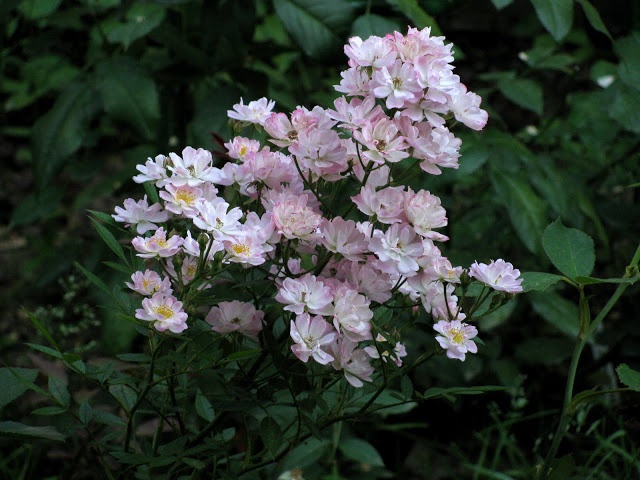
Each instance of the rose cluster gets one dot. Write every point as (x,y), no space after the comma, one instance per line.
(273,208)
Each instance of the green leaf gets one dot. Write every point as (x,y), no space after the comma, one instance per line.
(562,468)
(60,132)
(448,393)
(141,19)
(629,376)
(49,411)
(49,351)
(103,217)
(555,15)
(38,205)
(570,250)
(36,9)
(538,281)
(204,408)
(628,49)
(372,24)
(14,382)
(271,435)
(20,430)
(526,209)
(592,281)
(523,92)
(194,463)
(305,454)
(314,25)
(594,18)
(94,279)
(129,94)
(59,391)
(361,451)
(109,239)
(125,395)
(500,4)
(43,330)
(414,12)
(557,311)
(625,107)
(85,413)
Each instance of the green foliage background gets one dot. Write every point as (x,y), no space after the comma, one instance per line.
(90,88)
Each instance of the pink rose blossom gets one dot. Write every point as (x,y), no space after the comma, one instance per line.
(140,214)
(157,245)
(165,311)
(193,168)
(305,294)
(353,361)
(499,275)
(235,316)
(148,283)
(256,111)
(456,338)
(352,315)
(310,334)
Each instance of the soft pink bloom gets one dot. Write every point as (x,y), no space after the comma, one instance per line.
(157,245)
(397,84)
(341,236)
(269,168)
(437,146)
(398,250)
(440,268)
(368,280)
(455,337)
(246,248)
(383,141)
(148,283)
(192,168)
(466,109)
(295,220)
(190,245)
(153,170)
(386,204)
(165,311)
(355,82)
(322,152)
(353,361)
(310,334)
(356,113)
(373,52)
(184,199)
(305,294)
(352,315)
(215,217)
(256,111)
(188,270)
(240,147)
(499,275)
(235,316)
(281,130)
(140,214)
(380,351)
(425,212)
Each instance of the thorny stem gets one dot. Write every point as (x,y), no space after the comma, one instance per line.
(586,330)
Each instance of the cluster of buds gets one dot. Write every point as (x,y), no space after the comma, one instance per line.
(331,262)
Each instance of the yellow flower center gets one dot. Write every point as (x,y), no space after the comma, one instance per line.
(243,150)
(165,311)
(457,335)
(161,242)
(185,196)
(240,248)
